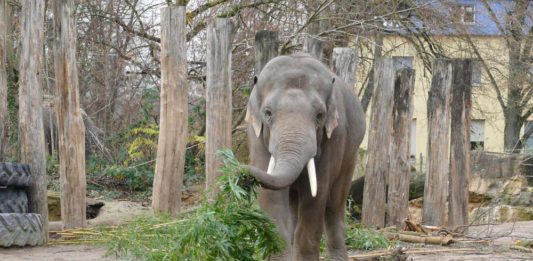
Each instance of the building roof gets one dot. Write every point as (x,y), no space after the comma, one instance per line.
(483,25)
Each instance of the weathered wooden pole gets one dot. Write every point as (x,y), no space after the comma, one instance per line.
(315,47)
(266,48)
(170,159)
(345,61)
(71,131)
(3,77)
(30,105)
(459,180)
(400,169)
(377,166)
(218,98)
(436,184)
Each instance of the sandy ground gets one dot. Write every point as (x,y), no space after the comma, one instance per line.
(56,253)
(498,240)
(498,237)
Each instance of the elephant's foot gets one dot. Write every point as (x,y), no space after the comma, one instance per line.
(337,254)
(307,256)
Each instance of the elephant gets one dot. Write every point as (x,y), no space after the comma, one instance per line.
(305,125)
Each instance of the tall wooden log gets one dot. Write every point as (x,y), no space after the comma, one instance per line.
(71,131)
(218,98)
(400,169)
(345,61)
(266,48)
(30,105)
(3,77)
(377,166)
(315,47)
(459,180)
(435,192)
(170,160)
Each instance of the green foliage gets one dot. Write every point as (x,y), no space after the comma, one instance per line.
(133,178)
(231,227)
(143,147)
(194,168)
(359,237)
(12,104)
(52,170)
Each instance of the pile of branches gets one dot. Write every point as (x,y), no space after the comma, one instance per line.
(231,227)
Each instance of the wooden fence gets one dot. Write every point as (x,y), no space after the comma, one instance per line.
(387,171)
(385,199)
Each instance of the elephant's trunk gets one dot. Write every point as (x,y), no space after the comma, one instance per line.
(291,155)
(283,175)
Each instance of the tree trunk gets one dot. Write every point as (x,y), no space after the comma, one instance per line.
(170,160)
(266,48)
(519,70)
(71,131)
(461,103)
(377,166)
(218,98)
(369,89)
(435,192)
(315,47)
(30,110)
(3,78)
(400,168)
(345,61)
(513,122)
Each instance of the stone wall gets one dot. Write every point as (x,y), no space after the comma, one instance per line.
(495,165)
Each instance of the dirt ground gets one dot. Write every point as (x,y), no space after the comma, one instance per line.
(496,241)
(56,253)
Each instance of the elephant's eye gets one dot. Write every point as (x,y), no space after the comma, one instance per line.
(319,116)
(268,113)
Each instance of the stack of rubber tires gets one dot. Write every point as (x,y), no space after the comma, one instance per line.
(17,226)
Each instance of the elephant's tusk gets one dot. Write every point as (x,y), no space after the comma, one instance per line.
(271,165)
(311,172)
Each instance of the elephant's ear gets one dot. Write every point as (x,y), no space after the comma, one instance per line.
(332,114)
(252,111)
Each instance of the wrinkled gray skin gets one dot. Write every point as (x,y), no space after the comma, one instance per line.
(300,110)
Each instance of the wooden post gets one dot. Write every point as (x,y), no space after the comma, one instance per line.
(314,46)
(30,105)
(71,131)
(170,160)
(436,184)
(461,104)
(377,166)
(218,98)
(400,168)
(266,48)
(3,77)
(345,61)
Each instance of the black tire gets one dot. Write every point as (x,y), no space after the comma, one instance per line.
(13,201)
(21,230)
(15,175)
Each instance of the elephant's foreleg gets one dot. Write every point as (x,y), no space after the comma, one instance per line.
(335,219)
(276,205)
(309,227)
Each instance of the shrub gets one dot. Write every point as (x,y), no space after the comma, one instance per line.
(231,227)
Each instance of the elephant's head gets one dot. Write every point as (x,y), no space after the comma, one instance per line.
(290,109)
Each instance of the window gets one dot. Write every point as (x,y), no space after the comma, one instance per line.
(468,14)
(477,135)
(528,146)
(464,14)
(401,62)
(476,72)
